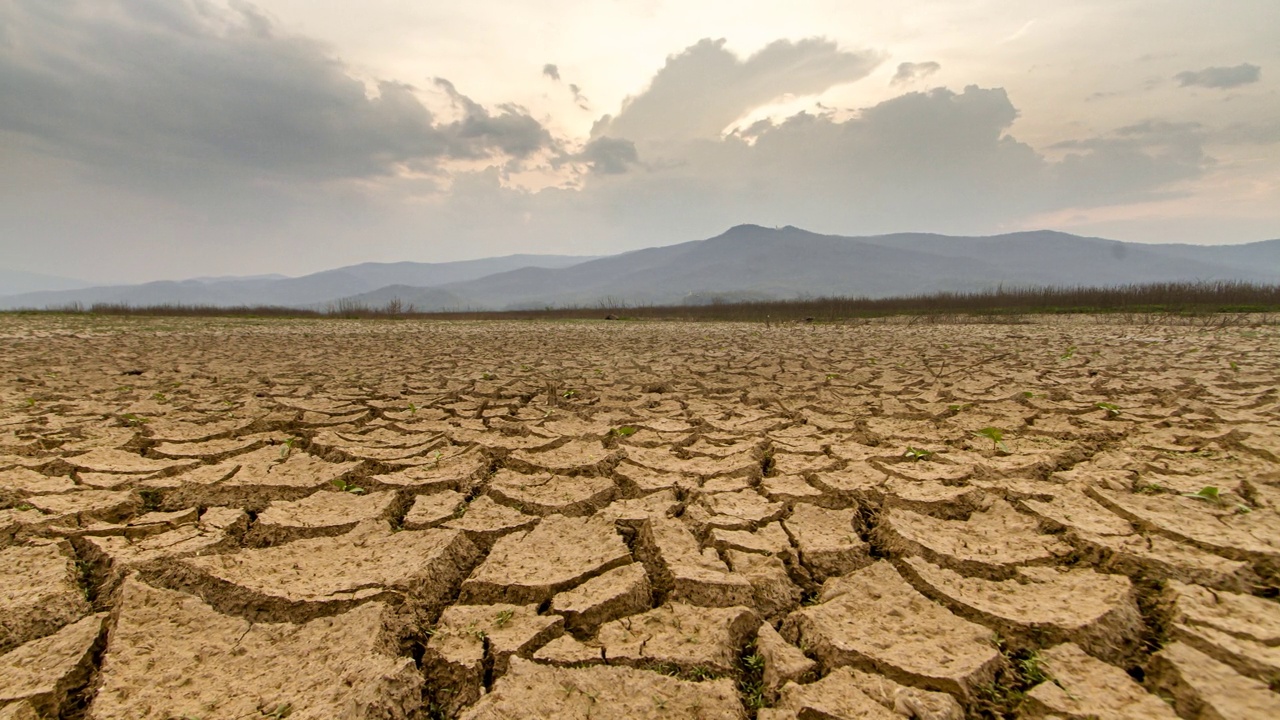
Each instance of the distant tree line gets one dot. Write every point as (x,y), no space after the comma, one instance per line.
(1186,298)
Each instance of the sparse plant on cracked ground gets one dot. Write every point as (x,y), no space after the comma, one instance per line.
(1212,494)
(1112,409)
(345,486)
(917,454)
(996,436)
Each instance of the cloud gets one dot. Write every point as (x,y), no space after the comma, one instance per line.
(910,72)
(701,91)
(551,71)
(1132,163)
(578,98)
(480,134)
(1220,77)
(170,93)
(609,156)
(941,161)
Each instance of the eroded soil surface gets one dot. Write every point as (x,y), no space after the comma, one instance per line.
(1069,517)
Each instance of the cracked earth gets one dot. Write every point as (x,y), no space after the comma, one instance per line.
(1070,517)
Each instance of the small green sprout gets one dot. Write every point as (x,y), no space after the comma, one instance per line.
(1067,355)
(625,430)
(503,618)
(1028,394)
(25,506)
(134,420)
(1235,367)
(917,453)
(833,376)
(487,376)
(413,409)
(995,435)
(281,712)
(1211,494)
(568,394)
(1208,493)
(1112,409)
(31,402)
(345,486)
(160,397)
(287,448)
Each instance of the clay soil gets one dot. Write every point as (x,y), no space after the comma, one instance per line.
(1072,517)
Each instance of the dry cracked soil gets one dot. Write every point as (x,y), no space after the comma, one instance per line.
(1067,517)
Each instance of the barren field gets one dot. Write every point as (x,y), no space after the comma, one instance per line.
(216,519)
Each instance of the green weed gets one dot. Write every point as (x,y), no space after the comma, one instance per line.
(345,486)
(917,454)
(1112,409)
(996,436)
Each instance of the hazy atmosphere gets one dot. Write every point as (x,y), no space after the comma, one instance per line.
(163,139)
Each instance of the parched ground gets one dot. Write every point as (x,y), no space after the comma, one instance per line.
(1070,517)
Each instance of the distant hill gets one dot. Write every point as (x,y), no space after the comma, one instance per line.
(784,263)
(308,290)
(745,262)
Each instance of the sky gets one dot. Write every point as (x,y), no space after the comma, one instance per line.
(165,139)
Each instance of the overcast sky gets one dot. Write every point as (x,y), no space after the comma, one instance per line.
(147,139)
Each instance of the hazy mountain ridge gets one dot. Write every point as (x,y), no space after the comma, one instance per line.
(747,261)
(308,290)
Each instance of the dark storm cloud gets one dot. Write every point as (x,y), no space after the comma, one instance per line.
(705,88)
(156,89)
(1220,77)
(909,71)
(551,71)
(609,156)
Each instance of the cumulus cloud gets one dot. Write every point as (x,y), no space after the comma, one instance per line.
(940,160)
(164,89)
(1133,162)
(551,71)
(1220,77)
(609,156)
(910,72)
(700,91)
(480,133)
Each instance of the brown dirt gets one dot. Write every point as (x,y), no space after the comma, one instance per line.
(638,519)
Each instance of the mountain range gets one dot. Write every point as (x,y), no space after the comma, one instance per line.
(747,262)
